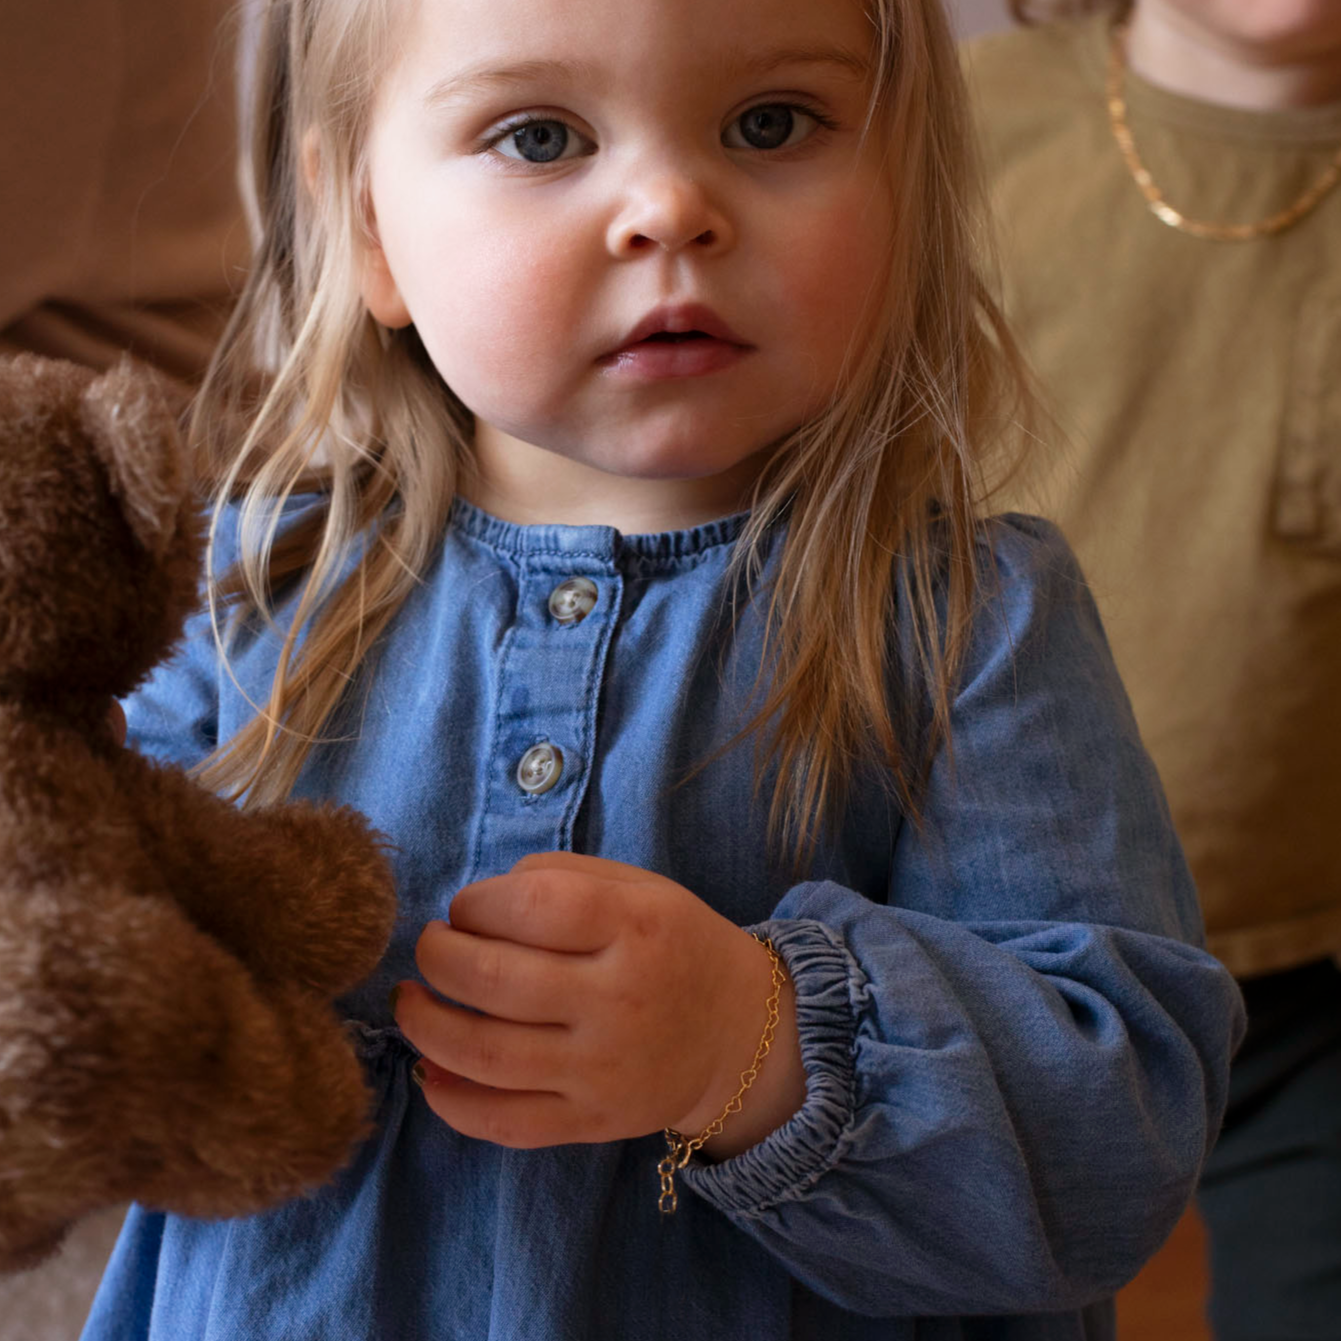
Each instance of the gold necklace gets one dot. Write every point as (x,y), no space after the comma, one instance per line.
(1159,207)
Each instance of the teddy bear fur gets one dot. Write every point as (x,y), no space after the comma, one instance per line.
(167,960)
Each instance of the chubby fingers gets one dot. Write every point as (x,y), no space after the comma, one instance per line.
(554,901)
(500,977)
(579,863)
(522,1120)
(503,1054)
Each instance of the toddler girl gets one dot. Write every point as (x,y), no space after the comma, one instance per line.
(794,942)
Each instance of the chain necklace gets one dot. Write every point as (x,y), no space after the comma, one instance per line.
(1159,207)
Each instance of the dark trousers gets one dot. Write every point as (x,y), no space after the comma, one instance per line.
(1271,1191)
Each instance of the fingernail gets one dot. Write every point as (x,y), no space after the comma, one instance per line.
(392,997)
(418,1074)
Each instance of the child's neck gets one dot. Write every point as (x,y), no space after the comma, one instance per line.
(518,482)
(1169,47)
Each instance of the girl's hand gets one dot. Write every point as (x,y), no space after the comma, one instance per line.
(607,1002)
(116,720)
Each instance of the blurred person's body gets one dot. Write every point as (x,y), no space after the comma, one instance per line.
(1196,372)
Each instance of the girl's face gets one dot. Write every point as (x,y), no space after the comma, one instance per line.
(638,238)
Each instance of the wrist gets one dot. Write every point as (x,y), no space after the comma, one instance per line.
(776,1095)
(776,1098)
(777,1088)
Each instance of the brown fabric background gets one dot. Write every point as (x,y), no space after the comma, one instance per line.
(121,227)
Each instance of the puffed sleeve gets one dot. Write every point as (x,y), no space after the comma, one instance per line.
(199,695)
(1016,1066)
(174,715)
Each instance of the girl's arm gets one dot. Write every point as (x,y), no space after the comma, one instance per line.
(174,717)
(1014,1060)
(1016,1067)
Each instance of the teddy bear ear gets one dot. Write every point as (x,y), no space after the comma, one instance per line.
(130,418)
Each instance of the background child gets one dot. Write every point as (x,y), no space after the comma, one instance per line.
(1194,356)
(638,385)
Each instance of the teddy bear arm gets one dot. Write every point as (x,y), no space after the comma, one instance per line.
(139,1059)
(298,892)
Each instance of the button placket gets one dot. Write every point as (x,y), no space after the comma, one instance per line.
(549,675)
(569,603)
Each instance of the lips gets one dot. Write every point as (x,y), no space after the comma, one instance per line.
(683,340)
(683,321)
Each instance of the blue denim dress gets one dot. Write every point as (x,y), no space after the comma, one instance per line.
(1016,1051)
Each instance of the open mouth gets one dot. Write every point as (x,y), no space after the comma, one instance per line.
(678,337)
(680,323)
(676,341)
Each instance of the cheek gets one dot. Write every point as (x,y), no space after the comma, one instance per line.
(832,275)
(516,291)
(528,279)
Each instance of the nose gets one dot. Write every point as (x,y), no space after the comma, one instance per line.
(672,212)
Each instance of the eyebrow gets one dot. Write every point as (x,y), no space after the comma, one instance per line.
(852,63)
(484,78)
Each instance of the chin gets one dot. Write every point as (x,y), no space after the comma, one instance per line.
(685,461)
(1287,28)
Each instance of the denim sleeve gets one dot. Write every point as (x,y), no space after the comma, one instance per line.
(1016,1066)
(174,715)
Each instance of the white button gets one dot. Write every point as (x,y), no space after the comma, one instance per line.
(539,768)
(573,600)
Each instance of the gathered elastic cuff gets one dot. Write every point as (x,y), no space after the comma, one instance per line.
(786,1164)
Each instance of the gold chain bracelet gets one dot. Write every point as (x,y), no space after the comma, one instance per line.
(681,1149)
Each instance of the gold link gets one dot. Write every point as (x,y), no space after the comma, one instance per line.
(1159,207)
(680,1149)
(667,1202)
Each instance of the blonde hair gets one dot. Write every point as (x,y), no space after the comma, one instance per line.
(881,491)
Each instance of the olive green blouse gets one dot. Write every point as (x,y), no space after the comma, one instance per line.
(1198,387)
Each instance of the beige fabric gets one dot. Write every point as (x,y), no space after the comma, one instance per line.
(121,227)
(1200,386)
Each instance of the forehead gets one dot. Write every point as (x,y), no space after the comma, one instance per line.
(446,46)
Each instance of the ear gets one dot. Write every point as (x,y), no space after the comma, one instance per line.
(377,287)
(130,419)
(381,295)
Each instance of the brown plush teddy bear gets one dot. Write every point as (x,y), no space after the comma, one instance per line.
(167,961)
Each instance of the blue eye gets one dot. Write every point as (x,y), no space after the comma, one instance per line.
(540,141)
(770,125)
